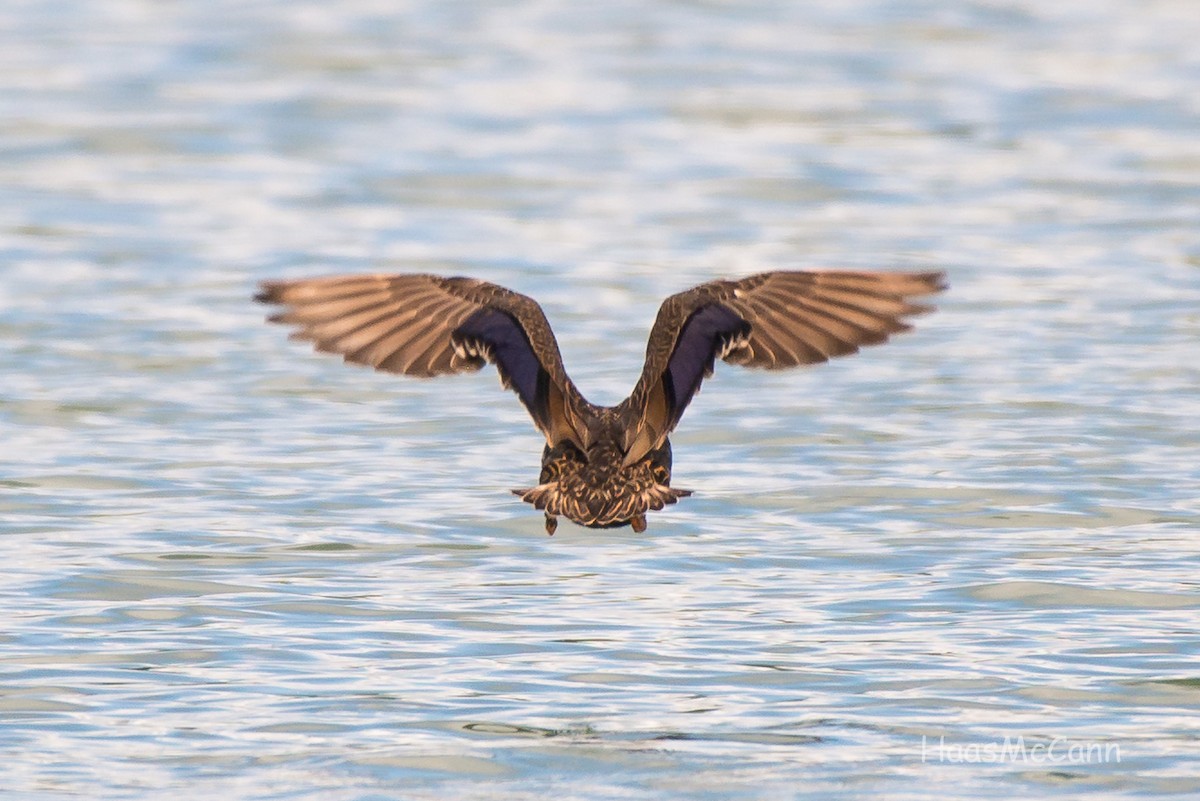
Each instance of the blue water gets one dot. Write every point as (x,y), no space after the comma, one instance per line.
(234,569)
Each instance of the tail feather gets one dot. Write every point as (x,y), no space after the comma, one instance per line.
(598,510)
(539,496)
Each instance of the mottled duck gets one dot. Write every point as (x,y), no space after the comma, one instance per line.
(602,466)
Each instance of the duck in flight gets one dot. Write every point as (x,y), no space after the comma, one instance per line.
(602,466)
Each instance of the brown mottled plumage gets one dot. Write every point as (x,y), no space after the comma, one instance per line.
(602,466)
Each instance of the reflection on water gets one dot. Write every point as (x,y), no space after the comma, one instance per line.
(234,566)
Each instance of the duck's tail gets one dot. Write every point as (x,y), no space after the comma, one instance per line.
(597,509)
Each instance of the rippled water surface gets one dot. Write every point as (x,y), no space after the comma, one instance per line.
(234,569)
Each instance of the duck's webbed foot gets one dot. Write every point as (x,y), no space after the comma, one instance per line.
(638,523)
(551,524)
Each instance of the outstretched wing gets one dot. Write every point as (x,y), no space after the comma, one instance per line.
(771,320)
(426,325)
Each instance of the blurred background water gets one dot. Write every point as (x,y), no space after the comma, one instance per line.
(233,569)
